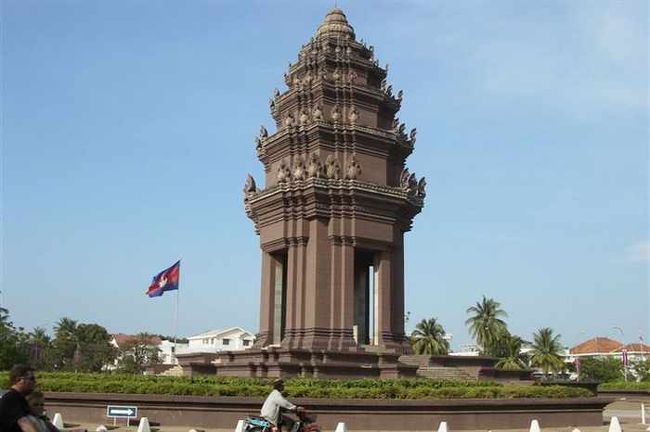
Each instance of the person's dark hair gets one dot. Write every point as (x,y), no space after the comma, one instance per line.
(19,371)
(36,394)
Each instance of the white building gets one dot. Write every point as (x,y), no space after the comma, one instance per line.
(168,350)
(468,350)
(213,341)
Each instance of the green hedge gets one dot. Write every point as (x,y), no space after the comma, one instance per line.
(297,387)
(622,385)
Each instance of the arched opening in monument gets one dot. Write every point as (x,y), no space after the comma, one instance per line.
(365,328)
(279,295)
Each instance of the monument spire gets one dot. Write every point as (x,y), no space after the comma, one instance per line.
(336,23)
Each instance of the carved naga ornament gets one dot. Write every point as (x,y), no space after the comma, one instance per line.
(250,187)
(409,183)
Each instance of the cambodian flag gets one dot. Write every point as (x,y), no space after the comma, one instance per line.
(166,280)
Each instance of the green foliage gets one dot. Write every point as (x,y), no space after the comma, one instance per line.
(601,369)
(82,347)
(486,324)
(41,352)
(78,347)
(622,385)
(94,349)
(641,370)
(138,354)
(65,344)
(546,351)
(13,346)
(508,348)
(297,387)
(429,338)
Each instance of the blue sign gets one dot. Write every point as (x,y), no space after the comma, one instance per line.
(121,411)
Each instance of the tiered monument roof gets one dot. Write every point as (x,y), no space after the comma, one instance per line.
(336,127)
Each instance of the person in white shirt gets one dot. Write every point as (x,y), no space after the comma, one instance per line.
(273,405)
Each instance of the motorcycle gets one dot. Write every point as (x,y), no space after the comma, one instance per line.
(303,423)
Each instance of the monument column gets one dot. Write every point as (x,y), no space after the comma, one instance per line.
(398,313)
(385,299)
(346,305)
(296,271)
(265,335)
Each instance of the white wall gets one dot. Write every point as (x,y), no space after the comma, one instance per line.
(216,342)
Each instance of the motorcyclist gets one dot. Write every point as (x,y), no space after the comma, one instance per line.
(273,405)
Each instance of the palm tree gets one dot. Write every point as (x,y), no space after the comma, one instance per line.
(511,357)
(429,338)
(486,324)
(66,328)
(546,351)
(39,348)
(65,342)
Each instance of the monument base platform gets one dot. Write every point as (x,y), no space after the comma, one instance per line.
(286,362)
(276,362)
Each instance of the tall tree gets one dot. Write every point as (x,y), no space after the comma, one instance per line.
(486,324)
(94,350)
(139,353)
(40,349)
(12,348)
(429,338)
(546,351)
(641,369)
(65,343)
(601,369)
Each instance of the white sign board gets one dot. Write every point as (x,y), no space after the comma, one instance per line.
(121,411)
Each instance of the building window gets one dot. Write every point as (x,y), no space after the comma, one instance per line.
(246,342)
(226,341)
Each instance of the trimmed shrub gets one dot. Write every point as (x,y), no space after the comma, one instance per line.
(622,385)
(296,387)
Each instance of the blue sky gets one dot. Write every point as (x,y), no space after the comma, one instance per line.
(128,132)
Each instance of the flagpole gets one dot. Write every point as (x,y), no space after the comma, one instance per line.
(176,315)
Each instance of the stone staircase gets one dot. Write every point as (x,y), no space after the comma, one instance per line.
(445,373)
(174,371)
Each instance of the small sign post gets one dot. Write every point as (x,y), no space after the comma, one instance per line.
(121,411)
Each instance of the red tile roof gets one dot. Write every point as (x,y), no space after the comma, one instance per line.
(597,345)
(636,348)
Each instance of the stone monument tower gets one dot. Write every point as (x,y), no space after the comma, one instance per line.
(336,203)
(331,217)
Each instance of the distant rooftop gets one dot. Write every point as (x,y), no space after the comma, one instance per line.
(605,345)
